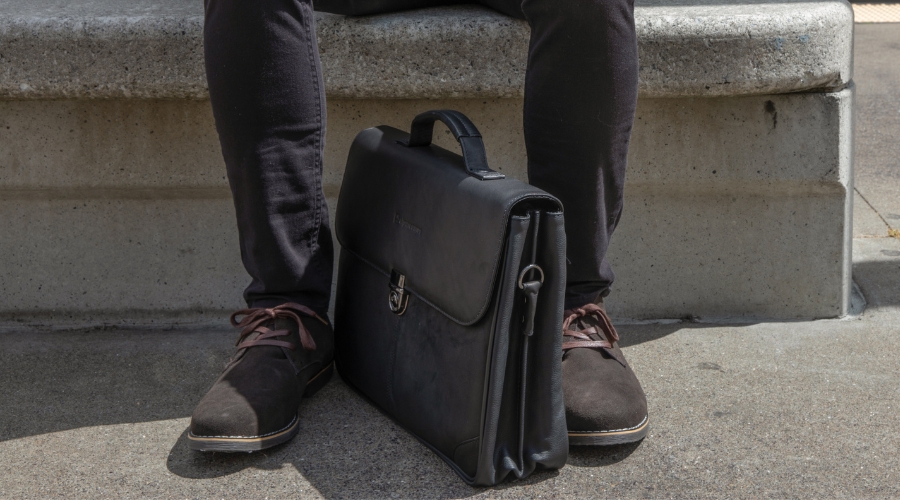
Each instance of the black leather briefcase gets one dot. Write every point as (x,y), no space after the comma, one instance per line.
(450,299)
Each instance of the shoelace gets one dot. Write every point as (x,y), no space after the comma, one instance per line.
(584,340)
(253,319)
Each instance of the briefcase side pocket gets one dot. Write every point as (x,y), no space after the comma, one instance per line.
(499,454)
(525,405)
(546,443)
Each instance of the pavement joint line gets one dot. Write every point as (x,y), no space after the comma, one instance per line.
(886,223)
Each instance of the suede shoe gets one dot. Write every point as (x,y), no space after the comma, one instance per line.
(605,403)
(281,358)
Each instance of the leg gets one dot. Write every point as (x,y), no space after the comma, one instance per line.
(268,100)
(580,97)
(265,84)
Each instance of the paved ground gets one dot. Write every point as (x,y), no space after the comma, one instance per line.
(796,409)
(877,77)
(805,409)
(772,409)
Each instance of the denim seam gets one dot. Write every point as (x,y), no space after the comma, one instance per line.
(309,24)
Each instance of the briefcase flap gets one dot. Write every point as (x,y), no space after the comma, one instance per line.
(416,211)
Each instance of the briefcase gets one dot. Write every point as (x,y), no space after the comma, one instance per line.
(450,298)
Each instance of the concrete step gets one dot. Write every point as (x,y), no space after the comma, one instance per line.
(117,210)
(153,49)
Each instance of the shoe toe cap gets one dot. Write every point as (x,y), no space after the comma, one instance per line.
(239,405)
(601,394)
(224,412)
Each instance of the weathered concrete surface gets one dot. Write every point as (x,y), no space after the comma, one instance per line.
(760,47)
(877,118)
(125,258)
(102,49)
(733,210)
(735,207)
(803,409)
(867,223)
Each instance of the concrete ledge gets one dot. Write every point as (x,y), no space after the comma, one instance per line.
(51,49)
(735,207)
(117,210)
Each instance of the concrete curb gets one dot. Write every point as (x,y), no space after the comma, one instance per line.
(128,49)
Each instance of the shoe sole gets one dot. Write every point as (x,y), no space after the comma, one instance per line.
(255,443)
(608,438)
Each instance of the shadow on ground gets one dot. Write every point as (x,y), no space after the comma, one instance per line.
(636,334)
(879,278)
(57,381)
(337,455)
(51,382)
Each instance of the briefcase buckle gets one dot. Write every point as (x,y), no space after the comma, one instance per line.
(398,298)
(525,271)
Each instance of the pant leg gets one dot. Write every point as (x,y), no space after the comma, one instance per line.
(267,94)
(371,7)
(580,98)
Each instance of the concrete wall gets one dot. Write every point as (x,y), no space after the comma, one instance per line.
(119,209)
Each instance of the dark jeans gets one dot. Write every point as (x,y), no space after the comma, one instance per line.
(268,100)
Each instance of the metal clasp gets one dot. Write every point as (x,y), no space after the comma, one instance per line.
(398,298)
(527,268)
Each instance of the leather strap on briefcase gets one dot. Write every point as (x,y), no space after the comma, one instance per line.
(450,298)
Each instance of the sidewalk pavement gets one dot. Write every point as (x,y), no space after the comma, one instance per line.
(799,409)
(877,162)
(771,409)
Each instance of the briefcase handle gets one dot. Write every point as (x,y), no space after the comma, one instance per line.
(466,134)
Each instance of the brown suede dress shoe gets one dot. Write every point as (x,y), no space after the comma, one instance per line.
(281,358)
(605,403)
